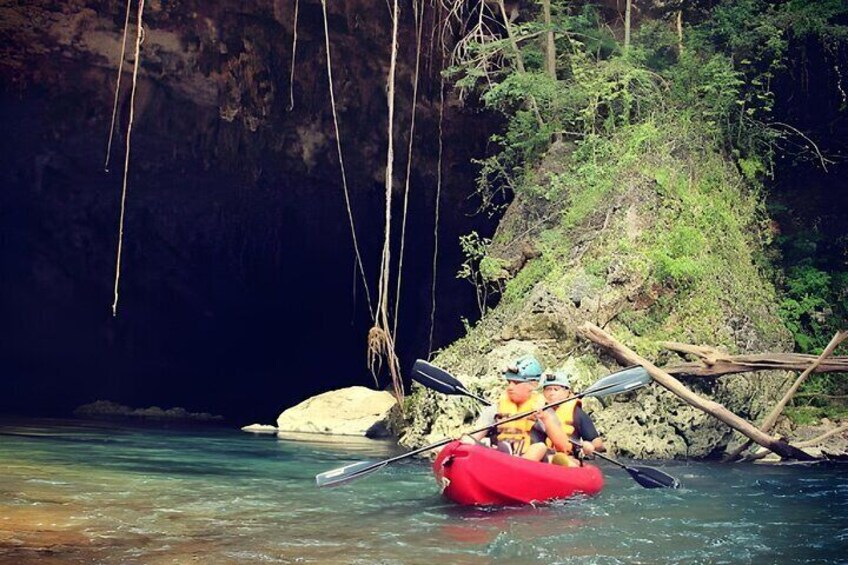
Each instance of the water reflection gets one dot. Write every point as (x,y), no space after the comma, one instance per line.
(74,492)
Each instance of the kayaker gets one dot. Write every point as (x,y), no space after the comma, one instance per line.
(526,437)
(572,418)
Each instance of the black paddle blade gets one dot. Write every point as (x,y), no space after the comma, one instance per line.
(347,473)
(435,378)
(619,382)
(439,380)
(649,477)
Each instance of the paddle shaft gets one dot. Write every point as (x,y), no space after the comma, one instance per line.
(446,441)
(489,427)
(449,385)
(647,477)
(577,444)
(470,394)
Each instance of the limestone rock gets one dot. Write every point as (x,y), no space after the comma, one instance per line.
(356,410)
(600,269)
(260,429)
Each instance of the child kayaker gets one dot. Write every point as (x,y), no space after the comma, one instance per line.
(575,423)
(525,437)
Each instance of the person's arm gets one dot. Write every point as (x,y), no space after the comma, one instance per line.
(591,440)
(554,431)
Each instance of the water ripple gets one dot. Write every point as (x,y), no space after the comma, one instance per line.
(136,496)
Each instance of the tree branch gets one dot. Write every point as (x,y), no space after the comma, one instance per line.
(732,364)
(597,335)
(775,413)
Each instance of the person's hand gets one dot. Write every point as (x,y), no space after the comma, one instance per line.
(543,416)
(588,449)
(467,440)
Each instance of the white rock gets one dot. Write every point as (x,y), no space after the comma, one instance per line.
(356,410)
(260,429)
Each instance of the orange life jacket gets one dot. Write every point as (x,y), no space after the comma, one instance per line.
(565,413)
(517,432)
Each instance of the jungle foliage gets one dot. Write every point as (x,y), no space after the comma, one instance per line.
(704,91)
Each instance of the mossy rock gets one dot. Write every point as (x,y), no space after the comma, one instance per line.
(642,261)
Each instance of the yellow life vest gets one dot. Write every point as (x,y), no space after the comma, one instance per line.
(565,413)
(517,432)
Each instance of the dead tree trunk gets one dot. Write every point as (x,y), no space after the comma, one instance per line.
(597,335)
(550,48)
(519,60)
(800,444)
(715,363)
(770,420)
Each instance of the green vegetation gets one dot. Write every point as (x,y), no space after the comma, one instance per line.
(479,269)
(812,306)
(680,130)
(814,303)
(809,414)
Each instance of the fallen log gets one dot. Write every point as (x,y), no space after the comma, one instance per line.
(708,355)
(771,419)
(800,444)
(818,439)
(731,364)
(623,353)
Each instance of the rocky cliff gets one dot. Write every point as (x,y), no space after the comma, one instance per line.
(630,263)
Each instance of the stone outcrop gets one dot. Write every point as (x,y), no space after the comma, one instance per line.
(109,409)
(356,411)
(260,429)
(596,270)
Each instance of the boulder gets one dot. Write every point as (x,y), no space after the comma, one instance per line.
(356,411)
(260,429)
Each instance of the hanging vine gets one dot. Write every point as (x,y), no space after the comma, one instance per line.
(341,160)
(118,86)
(380,338)
(419,22)
(294,58)
(138,40)
(437,206)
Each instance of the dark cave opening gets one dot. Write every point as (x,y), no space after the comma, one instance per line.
(239,294)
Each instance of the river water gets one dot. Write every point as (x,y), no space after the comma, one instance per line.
(82,492)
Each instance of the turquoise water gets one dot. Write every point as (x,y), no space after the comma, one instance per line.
(77,492)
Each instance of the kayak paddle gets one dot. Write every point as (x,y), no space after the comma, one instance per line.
(615,383)
(648,477)
(631,378)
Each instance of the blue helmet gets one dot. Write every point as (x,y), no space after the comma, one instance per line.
(559,378)
(526,368)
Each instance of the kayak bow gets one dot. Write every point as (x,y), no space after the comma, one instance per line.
(481,476)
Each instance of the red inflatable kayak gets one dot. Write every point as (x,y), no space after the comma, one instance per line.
(478,475)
